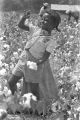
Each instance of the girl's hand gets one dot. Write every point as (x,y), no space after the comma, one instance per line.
(27,13)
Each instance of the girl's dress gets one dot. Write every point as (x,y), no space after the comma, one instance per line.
(41,80)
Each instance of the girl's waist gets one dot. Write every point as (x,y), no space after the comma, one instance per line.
(32,58)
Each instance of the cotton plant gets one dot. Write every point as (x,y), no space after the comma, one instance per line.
(56,107)
(63,70)
(16,40)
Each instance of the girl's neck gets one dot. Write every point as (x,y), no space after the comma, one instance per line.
(45,32)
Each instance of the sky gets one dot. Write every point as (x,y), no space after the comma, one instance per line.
(34,5)
(7,5)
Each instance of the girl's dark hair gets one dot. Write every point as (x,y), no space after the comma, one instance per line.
(53,20)
(45,7)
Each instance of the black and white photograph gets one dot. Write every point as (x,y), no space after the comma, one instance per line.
(39,59)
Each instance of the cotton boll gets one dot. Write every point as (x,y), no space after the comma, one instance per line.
(34,98)
(18,86)
(2,71)
(6,66)
(0,87)
(6,91)
(75,23)
(69,119)
(77,86)
(9,93)
(15,55)
(56,106)
(11,66)
(13,59)
(67,11)
(19,50)
(3,114)
(1,38)
(71,36)
(78,55)
(26,22)
(32,65)
(78,24)
(26,98)
(6,47)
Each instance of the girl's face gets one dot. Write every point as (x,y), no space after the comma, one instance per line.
(46,22)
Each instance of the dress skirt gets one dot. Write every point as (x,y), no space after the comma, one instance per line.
(40,81)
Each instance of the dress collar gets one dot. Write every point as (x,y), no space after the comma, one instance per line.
(44,33)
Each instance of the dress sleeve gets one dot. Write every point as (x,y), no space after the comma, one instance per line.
(41,12)
(20,66)
(33,36)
